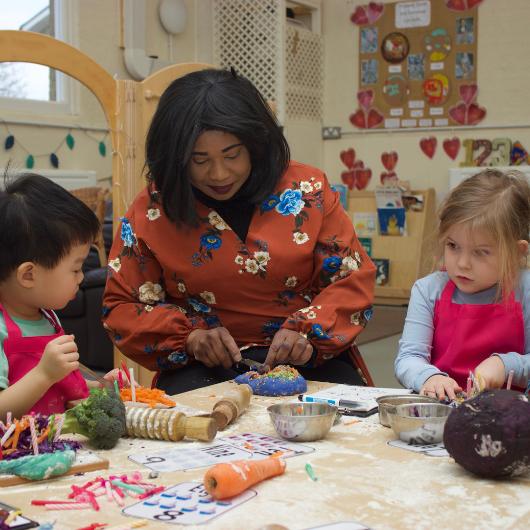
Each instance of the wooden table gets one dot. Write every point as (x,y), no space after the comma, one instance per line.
(360,478)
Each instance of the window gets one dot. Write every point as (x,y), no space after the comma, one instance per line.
(32,87)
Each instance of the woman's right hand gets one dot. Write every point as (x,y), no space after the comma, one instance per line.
(59,359)
(213,347)
(439,385)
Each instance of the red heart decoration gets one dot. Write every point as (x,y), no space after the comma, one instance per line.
(348,157)
(362,178)
(468,93)
(374,118)
(358,119)
(388,178)
(475,114)
(451,147)
(428,146)
(348,177)
(374,11)
(359,16)
(462,5)
(389,160)
(458,113)
(365,98)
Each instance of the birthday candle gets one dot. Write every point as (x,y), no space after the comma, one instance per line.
(510,379)
(60,421)
(469,387)
(73,506)
(8,418)
(133,389)
(33,432)
(7,434)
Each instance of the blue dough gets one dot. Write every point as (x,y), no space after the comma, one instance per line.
(280,381)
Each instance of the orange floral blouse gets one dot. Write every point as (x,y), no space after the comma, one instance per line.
(301,268)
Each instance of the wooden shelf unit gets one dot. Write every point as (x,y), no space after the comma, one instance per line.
(409,255)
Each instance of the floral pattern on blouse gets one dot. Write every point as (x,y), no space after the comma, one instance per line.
(301,268)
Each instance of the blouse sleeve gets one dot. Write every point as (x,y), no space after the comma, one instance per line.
(342,284)
(140,321)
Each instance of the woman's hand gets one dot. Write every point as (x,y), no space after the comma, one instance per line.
(492,371)
(213,347)
(439,385)
(288,347)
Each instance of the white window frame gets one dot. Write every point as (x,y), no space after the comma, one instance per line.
(67,88)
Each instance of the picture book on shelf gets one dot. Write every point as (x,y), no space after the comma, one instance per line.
(365,223)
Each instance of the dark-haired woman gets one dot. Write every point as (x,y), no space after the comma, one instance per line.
(232,244)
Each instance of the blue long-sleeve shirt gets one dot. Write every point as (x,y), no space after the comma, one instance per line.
(413,362)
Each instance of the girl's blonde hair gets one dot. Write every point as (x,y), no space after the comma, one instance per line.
(499,204)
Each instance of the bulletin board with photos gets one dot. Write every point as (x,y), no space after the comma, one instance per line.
(415,57)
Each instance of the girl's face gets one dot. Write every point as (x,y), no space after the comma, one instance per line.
(54,288)
(471,259)
(219,164)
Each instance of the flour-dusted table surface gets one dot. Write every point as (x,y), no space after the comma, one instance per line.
(360,478)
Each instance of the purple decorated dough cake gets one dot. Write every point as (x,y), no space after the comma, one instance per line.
(280,381)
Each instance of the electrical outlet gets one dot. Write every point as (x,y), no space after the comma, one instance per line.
(331,133)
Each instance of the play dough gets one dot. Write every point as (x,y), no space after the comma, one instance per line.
(280,381)
(489,435)
(39,467)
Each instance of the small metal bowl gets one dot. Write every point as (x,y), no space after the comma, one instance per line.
(388,403)
(420,423)
(302,422)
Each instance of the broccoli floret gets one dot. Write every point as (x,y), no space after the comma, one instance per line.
(101,418)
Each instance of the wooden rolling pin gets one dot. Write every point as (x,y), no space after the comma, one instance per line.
(231,406)
(167,424)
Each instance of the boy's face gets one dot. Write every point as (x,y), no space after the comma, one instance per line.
(54,288)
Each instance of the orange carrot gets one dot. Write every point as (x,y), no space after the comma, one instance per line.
(151,396)
(228,480)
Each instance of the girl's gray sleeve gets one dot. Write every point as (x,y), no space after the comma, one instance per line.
(519,362)
(413,362)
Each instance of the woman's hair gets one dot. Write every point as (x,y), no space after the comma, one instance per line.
(211,100)
(499,204)
(40,222)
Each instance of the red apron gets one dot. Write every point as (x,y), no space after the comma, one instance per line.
(24,353)
(466,334)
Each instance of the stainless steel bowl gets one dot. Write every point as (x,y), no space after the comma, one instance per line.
(388,403)
(302,422)
(419,423)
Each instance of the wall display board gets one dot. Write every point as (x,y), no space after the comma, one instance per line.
(417,65)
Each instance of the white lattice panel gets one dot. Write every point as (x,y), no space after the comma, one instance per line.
(284,62)
(246,37)
(304,83)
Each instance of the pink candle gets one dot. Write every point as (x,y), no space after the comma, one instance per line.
(33,432)
(510,379)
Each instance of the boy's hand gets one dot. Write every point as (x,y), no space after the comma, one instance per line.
(59,358)
(113,376)
(492,371)
(439,386)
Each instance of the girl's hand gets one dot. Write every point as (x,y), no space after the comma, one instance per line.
(439,385)
(492,371)
(213,347)
(113,376)
(59,358)
(288,347)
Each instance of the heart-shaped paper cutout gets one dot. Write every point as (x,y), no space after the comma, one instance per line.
(348,157)
(468,93)
(389,160)
(475,114)
(458,113)
(374,118)
(462,5)
(374,11)
(358,119)
(348,177)
(359,16)
(428,146)
(362,178)
(365,98)
(388,178)
(451,147)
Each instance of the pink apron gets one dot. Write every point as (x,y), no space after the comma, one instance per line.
(24,353)
(466,334)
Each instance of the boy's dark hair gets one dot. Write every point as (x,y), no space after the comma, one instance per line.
(40,222)
(211,100)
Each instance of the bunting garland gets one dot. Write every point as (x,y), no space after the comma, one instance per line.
(53,156)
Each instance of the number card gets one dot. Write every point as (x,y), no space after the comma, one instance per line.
(427,449)
(246,446)
(186,503)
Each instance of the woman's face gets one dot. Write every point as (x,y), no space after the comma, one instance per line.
(219,164)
